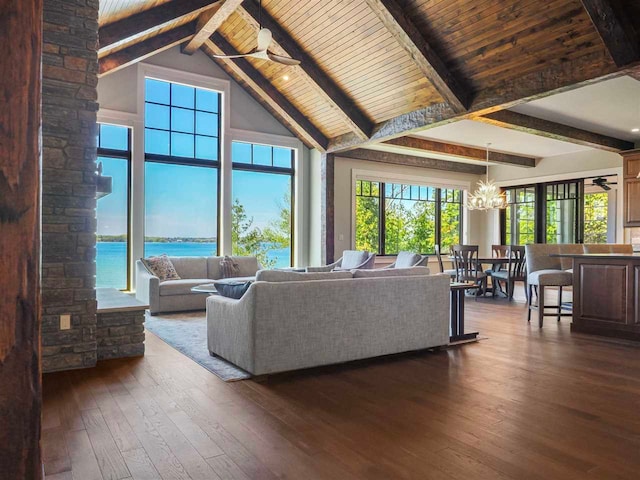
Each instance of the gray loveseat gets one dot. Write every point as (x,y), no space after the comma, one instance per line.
(300,320)
(176,295)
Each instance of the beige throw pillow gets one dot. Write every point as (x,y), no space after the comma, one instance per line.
(162,267)
(229,268)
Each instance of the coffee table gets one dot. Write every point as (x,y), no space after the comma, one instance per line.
(458,290)
(208,288)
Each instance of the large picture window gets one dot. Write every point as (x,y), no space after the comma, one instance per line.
(392,217)
(262,203)
(112,247)
(182,151)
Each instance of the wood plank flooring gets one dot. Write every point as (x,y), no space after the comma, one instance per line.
(523,403)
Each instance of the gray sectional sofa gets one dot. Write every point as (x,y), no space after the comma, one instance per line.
(176,295)
(288,321)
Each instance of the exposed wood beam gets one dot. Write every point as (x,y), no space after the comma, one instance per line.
(152,19)
(616,32)
(208,23)
(139,51)
(316,77)
(557,78)
(413,161)
(470,153)
(20,254)
(544,128)
(411,39)
(242,70)
(327,207)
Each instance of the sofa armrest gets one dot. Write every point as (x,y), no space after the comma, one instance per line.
(231,330)
(325,268)
(147,287)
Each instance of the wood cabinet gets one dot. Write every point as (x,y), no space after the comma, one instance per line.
(631,182)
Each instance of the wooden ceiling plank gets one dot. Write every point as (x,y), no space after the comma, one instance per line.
(411,39)
(242,68)
(413,161)
(544,128)
(152,19)
(332,93)
(557,78)
(618,36)
(462,151)
(208,23)
(139,51)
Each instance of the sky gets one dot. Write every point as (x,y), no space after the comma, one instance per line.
(181,201)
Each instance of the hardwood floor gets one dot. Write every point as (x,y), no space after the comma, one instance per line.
(523,403)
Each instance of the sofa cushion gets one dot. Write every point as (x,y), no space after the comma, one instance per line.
(552,278)
(190,267)
(161,266)
(407,259)
(229,267)
(352,259)
(287,276)
(391,272)
(181,287)
(247,267)
(235,289)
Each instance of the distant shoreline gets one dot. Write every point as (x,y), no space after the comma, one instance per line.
(123,238)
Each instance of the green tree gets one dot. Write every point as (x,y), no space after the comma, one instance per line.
(595,217)
(367,219)
(278,232)
(246,239)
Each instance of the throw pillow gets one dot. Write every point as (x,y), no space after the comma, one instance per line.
(161,266)
(228,267)
(232,289)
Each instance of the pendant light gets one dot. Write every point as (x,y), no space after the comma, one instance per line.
(487,196)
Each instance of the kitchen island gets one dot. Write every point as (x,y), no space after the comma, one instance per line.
(606,294)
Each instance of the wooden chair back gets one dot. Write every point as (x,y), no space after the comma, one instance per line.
(517,267)
(500,251)
(466,261)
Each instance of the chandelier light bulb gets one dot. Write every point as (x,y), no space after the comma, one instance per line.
(487,196)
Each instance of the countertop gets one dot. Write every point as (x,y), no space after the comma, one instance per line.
(610,256)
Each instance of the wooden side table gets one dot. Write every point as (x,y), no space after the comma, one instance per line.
(458,290)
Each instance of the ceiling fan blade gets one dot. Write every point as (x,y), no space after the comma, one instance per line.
(283,60)
(264,39)
(240,55)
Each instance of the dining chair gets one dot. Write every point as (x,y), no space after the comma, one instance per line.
(516,271)
(497,251)
(468,266)
(451,273)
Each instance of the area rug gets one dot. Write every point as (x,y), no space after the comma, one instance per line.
(187,333)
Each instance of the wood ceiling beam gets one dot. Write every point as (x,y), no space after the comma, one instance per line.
(208,23)
(259,87)
(328,89)
(139,51)
(413,161)
(544,128)
(615,30)
(471,153)
(398,23)
(558,78)
(152,19)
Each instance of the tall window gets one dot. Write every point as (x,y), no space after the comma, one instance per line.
(391,217)
(520,216)
(182,151)
(112,248)
(262,203)
(562,212)
(596,215)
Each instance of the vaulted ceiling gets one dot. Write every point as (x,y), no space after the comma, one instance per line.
(376,70)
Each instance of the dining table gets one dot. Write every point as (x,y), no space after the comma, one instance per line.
(494,262)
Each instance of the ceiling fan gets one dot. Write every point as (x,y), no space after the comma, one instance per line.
(603,183)
(261,51)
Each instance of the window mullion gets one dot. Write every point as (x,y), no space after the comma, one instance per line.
(382,220)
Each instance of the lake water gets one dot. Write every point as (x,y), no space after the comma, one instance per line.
(111,267)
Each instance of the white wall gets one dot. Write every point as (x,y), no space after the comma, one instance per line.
(315,208)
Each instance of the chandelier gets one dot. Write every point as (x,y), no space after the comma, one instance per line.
(487,196)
